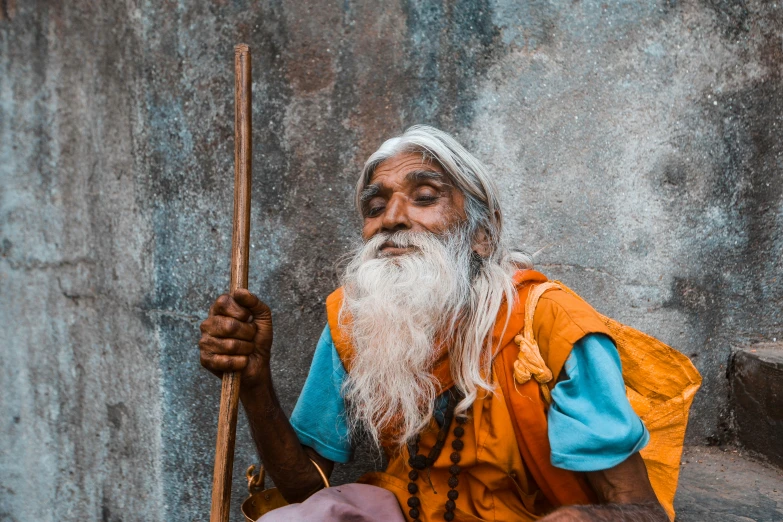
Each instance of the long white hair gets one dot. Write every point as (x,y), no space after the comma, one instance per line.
(447,292)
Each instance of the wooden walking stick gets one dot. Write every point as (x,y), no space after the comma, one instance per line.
(229,395)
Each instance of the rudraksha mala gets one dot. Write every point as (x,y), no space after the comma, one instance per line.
(420,462)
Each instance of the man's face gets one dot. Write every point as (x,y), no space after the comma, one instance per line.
(407,192)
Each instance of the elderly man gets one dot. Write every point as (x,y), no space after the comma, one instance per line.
(415,359)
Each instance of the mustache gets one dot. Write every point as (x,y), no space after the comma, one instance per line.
(398,239)
(422,241)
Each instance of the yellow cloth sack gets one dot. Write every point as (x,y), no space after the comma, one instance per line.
(660,383)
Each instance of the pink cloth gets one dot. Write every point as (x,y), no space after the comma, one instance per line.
(346,503)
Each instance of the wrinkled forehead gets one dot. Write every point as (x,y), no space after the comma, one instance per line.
(409,166)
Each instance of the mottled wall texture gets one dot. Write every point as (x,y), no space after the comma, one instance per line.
(638,146)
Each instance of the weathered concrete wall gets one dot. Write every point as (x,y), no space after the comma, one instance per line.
(81,360)
(638,143)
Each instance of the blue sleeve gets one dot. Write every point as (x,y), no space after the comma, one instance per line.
(319,415)
(591,424)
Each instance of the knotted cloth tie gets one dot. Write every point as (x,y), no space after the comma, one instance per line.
(529,363)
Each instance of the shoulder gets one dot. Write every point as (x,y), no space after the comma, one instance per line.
(340,337)
(561,312)
(561,319)
(335,299)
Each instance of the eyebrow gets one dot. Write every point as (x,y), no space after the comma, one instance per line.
(422,175)
(369,192)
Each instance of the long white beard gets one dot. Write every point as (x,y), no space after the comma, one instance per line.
(395,308)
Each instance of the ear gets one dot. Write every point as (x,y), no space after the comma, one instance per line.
(481,243)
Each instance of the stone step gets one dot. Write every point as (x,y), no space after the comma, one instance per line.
(757,399)
(727,485)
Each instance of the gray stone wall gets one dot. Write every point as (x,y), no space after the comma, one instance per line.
(638,146)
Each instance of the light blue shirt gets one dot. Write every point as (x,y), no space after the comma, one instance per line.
(591,424)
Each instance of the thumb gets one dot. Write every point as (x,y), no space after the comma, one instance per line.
(258,308)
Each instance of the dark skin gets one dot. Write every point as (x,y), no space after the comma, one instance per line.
(406,192)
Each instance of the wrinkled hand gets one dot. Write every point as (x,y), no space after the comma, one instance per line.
(237,337)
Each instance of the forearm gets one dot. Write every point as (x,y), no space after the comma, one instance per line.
(644,512)
(284,458)
(623,492)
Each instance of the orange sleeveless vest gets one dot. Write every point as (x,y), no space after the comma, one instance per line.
(507,474)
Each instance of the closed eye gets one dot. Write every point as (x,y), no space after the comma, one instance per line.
(427,199)
(374,210)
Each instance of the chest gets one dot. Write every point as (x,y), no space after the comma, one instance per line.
(492,483)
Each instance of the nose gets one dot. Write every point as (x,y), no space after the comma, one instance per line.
(395,215)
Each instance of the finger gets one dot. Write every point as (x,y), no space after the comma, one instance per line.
(223,363)
(221,298)
(225,346)
(227,305)
(227,327)
(258,308)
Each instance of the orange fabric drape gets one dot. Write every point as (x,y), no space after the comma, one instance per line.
(660,384)
(560,321)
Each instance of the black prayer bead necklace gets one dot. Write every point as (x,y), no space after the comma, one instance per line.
(420,462)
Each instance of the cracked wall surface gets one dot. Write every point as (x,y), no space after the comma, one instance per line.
(637,145)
